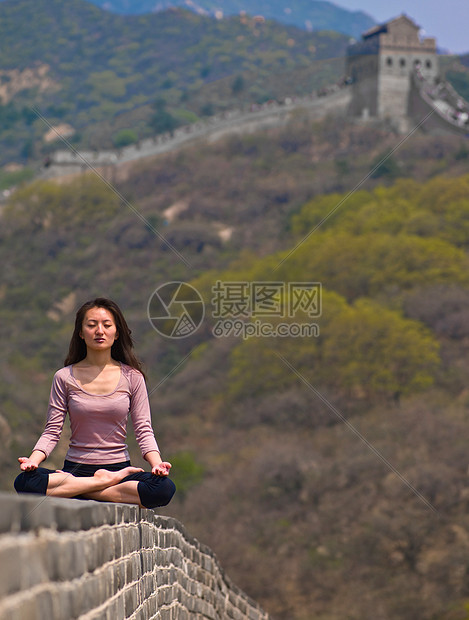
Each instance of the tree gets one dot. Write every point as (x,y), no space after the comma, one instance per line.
(387,167)
(374,351)
(238,85)
(124,137)
(162,121)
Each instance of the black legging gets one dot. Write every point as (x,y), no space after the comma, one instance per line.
(153,490)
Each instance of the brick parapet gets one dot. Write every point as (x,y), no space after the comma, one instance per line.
(64,559)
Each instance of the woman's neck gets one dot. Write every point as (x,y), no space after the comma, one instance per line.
(99,359)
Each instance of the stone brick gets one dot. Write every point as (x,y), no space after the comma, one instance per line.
(106,546)
(72,515)
(62,603)
(38,512)
(151,606)
(63,554)
(10,565)
(130,601)
(10,514)
(25,608)
(89,594)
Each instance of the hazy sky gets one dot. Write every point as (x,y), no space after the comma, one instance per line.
(447,20)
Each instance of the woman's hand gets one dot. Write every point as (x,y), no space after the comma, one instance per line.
(158,467)
(162,469)
(26,464)
(32,462)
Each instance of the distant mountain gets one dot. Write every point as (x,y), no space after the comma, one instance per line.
(306,14)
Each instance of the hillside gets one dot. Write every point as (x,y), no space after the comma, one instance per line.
(317,15)
(268,474)
(111,80)
(101,73)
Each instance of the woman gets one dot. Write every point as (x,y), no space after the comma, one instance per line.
(100,387)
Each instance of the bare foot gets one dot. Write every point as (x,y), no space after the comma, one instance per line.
(110,478)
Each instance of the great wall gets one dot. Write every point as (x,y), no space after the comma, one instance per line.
(257,118)
(392,74)
(67,559)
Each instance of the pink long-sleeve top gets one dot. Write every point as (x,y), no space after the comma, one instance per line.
(98,422)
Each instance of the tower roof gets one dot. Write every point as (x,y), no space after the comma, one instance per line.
(400,34)
(393,25)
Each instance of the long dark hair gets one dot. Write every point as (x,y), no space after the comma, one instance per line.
(122,349)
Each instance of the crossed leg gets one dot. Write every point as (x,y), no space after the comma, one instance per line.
(124,493)
(62,484)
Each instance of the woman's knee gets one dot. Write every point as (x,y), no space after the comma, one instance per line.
(156,492)
(168,491)
(32,481)
(20,483)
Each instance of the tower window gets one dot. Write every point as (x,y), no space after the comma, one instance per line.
(428,64)
(389,61)
(402,62)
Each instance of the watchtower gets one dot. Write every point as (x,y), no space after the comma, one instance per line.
(381,67)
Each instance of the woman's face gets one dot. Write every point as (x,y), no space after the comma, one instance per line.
(99,329)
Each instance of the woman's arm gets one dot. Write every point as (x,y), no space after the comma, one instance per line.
(141,420)
(56,412)
(140,415)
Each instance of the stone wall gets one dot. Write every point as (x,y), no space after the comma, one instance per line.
(439,123)
(62,559)
(332,100)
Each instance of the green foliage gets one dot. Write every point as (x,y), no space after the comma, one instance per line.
(462,153)
(107,85)
(460,81)
(124,137)
(46,205)
(386,167)
(11,114)
(162,121)
(10,179)
(364,350)
(186,472)
(238,85)
(396,239)
(184,117)
(374,351)
(207,109)
(381,261)
(101,65)
(438,208)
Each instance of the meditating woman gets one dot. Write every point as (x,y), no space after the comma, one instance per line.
(100,387)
